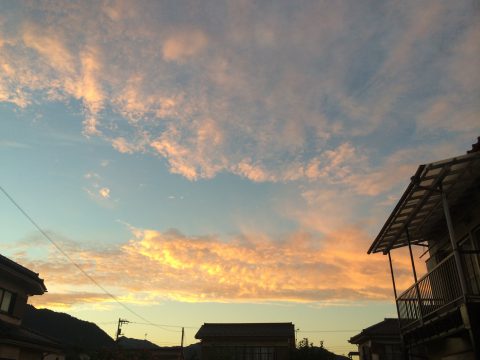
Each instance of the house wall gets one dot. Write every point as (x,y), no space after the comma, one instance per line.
(372,350)
(226,350)
(20,300)
(464,223)
(9,352)
(30,355)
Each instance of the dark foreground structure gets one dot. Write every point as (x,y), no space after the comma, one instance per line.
(247,341)
(439,314)
(379,341)
(17,283)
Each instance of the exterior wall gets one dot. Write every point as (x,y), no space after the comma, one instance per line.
(246,350)
(463,224)
(20,301)
(9,352)
(370,350)
(451,348)
(54,357)
(466,225)
(30,355)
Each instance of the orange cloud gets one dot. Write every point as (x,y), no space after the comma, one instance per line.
(169,265)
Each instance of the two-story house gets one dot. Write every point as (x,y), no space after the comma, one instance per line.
(246,341)
(17,283)
(439,314)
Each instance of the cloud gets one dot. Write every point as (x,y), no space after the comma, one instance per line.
(96,189)
(183,45)
(104,192)
(155,266)
(265,99)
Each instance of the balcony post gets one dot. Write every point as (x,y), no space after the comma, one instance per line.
(419,298)
(393,282)
(396,301)
(453,241)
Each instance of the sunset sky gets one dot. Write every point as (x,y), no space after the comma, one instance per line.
(225,161)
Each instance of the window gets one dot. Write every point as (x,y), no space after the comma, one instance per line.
(6,301)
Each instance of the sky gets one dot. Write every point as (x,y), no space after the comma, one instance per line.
(225,161)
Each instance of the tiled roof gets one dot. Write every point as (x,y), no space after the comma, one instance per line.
(246,330)
(21,270)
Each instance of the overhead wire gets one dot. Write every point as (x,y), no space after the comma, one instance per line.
(105,291)
(327,331)
(112,296)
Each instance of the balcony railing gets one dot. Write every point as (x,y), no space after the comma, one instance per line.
(439,289)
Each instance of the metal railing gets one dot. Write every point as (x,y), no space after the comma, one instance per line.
(439,288)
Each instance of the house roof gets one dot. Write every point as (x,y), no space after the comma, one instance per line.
(420,210)
(9,267)
(246,330)
(21,336)
(387,328)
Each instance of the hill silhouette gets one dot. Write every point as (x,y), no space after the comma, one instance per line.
(129,343)
(66,329)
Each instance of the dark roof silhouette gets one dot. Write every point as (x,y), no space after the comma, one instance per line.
(21,335)
(246,330)
(385,328)
(28,275)
(418,209)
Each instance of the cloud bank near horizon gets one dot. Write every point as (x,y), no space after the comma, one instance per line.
(159,266)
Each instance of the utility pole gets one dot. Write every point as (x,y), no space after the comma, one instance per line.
(119,327)
(183,335)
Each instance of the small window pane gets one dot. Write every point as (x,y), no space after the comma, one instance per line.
(7,298)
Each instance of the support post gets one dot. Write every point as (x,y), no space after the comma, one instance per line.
(396,303)
(393,282)
(453,241)
(419,298)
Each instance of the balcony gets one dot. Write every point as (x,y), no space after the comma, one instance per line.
(440,291)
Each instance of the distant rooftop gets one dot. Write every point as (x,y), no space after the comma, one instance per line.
(386,328)
(246,329)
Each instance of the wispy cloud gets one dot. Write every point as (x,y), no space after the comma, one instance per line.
(268,100)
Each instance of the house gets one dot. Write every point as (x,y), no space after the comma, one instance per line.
(379,341)
(439,314)
(246,341)
(17,283)
(158,353)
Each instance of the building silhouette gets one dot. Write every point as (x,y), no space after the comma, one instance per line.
(439,314)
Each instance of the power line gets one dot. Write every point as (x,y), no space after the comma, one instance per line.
(327,331)
(70,259)
(113,297)
(158,326)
